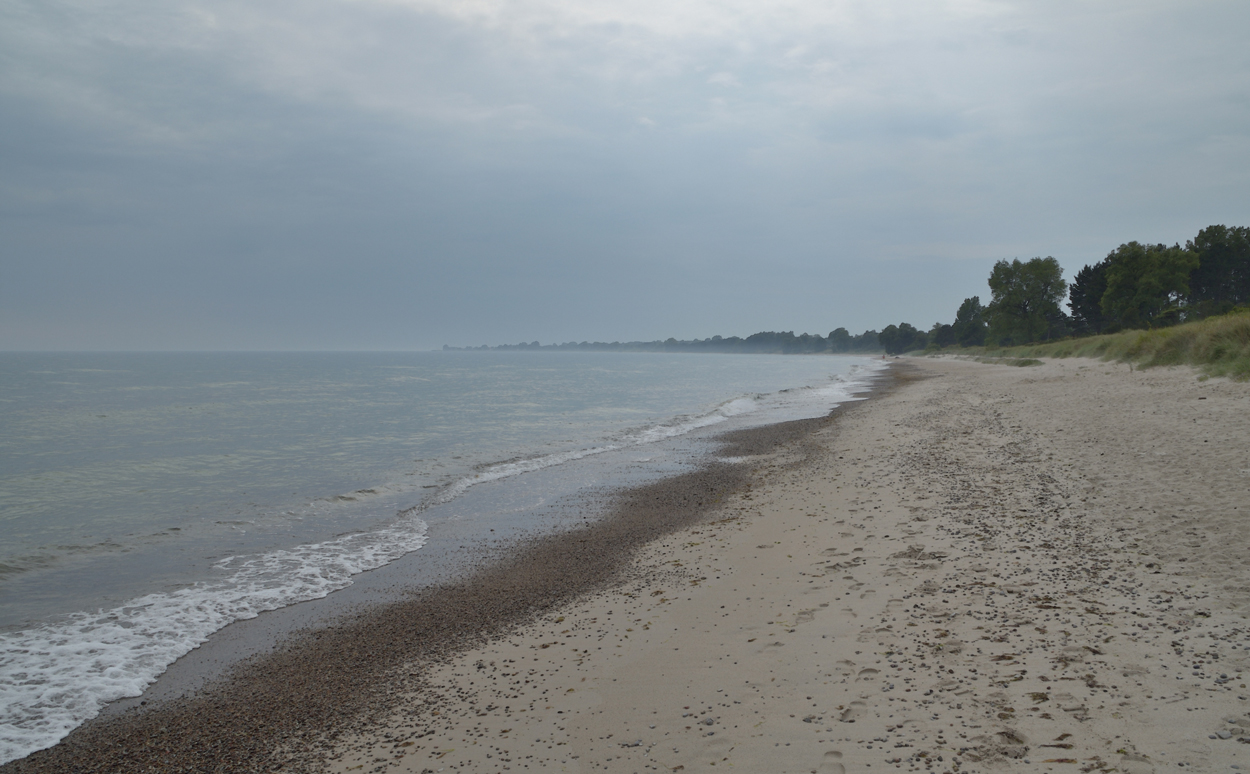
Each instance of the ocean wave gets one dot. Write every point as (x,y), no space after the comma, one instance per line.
(791,401)
(57,676)
(634,437)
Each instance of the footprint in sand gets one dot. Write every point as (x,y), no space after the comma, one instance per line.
(880,635)
(1074,654)
(831,763)
(866,674)
(853,712)
(1136,764)
(845,668)
(805,616)
(716,747)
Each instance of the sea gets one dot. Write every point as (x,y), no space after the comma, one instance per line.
(147,500)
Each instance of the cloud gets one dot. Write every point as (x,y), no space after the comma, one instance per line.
(316,157)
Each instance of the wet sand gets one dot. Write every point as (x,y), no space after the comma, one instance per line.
(988,568)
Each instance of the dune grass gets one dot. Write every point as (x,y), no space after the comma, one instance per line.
(1011,361)
(1219,346)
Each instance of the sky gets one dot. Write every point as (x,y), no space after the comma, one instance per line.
(403,174)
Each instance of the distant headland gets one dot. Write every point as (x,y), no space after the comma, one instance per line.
(839,341)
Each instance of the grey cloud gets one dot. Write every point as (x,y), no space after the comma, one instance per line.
(384,174)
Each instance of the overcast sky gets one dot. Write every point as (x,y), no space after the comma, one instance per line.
(400,174)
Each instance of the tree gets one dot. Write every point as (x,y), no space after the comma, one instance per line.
(969,327)
(1024,304)
(900,338)
(867,341)
(889,338)
(941,335)
(1085,298)
(913,336)
(1222,277)
(839,340)
(1146,284)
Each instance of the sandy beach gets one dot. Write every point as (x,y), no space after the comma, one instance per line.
(982,567)
(990,567)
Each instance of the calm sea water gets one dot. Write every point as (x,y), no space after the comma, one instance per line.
(148,500)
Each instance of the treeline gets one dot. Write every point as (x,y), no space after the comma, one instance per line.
(766,342)
(1136,286)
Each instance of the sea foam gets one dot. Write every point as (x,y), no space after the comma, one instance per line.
(56,676)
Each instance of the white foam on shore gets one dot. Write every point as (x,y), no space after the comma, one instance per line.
(804,401)
(55,677)
(637,437)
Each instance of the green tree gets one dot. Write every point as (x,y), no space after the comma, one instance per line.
(1222,277)
(866,342)
(1085,298)
(941,335)
(839,340)
(888,338)
(1024,304)
(900,338)
(969,327)
(1146,284)
(918,338)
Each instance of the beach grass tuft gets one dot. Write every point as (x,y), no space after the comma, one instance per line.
(1011,361)
(1219,346)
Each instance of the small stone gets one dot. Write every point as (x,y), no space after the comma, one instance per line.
(1223,734)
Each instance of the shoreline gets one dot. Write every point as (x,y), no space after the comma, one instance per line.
(326,669)
(1036,569)
(988,568)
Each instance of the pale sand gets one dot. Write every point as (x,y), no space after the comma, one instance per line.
(993,567)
